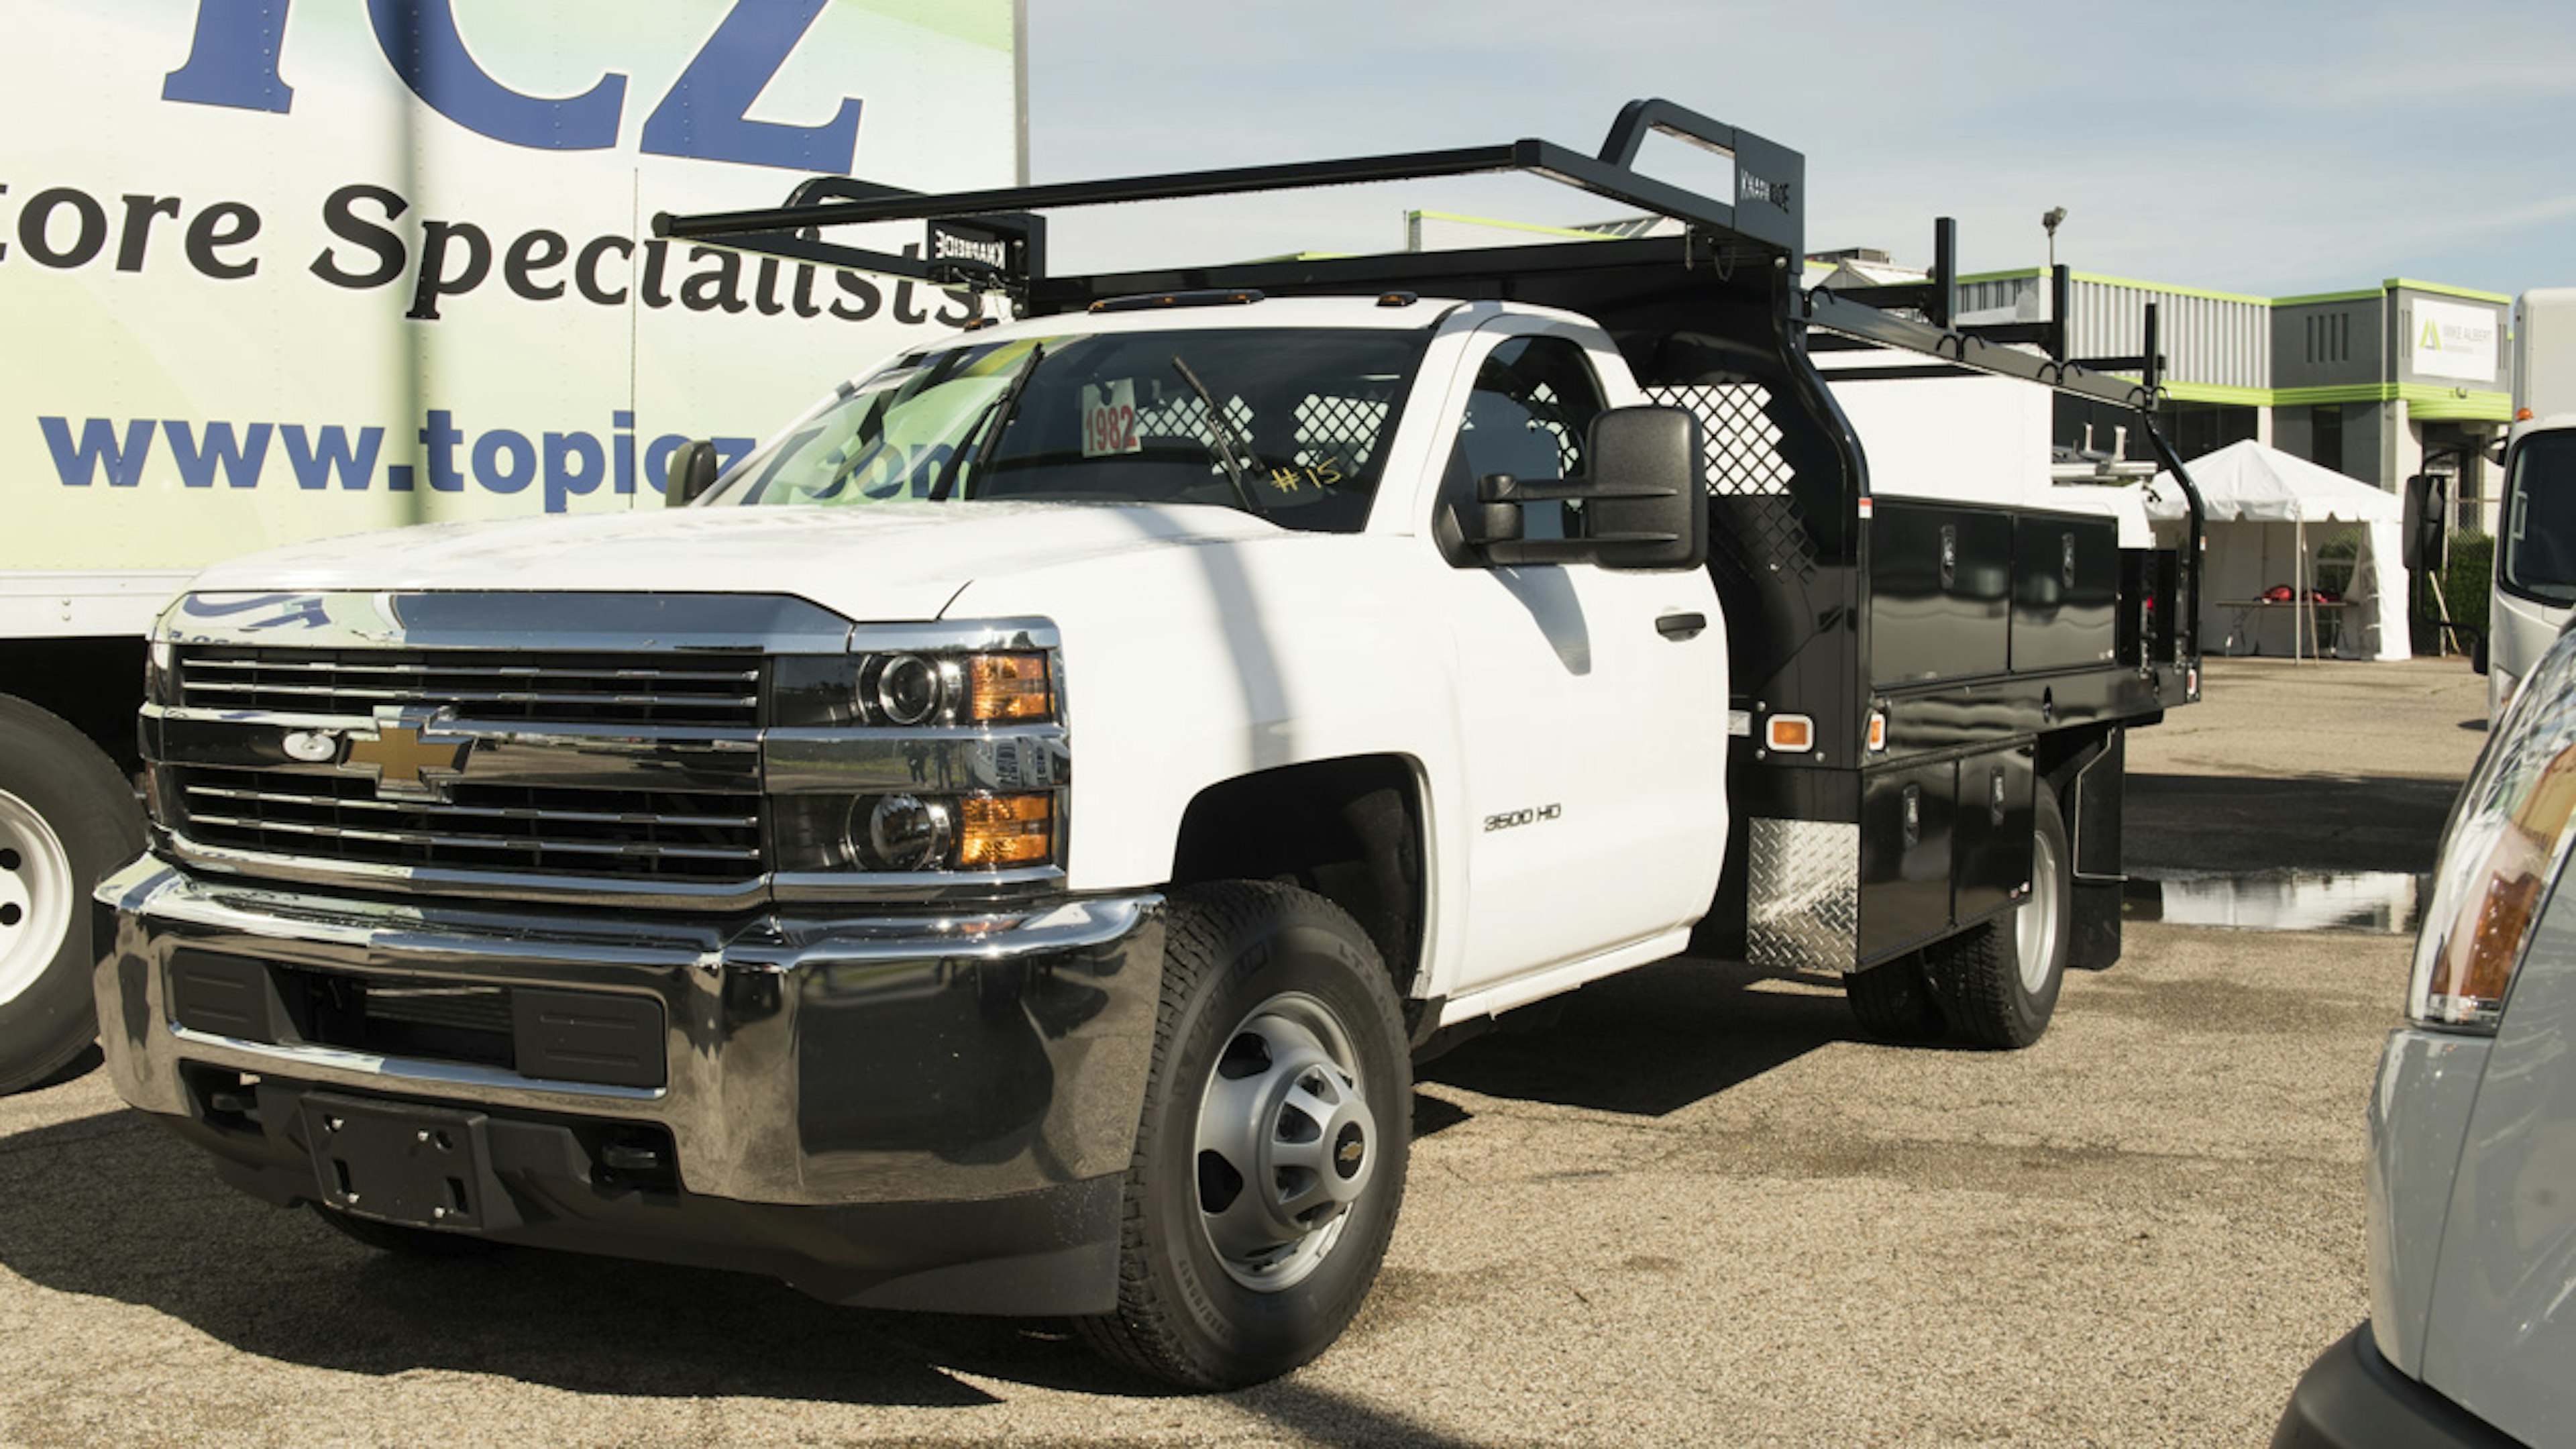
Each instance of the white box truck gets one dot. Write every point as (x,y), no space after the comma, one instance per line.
(1002,846)
(2535,555)
(277,272)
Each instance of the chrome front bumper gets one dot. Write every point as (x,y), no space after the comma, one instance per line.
(876,1059)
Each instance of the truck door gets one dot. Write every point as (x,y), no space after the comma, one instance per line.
(1592,716)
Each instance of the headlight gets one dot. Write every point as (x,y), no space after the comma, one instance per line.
(916,690)
(904,689)
(2508,836)
(908,831)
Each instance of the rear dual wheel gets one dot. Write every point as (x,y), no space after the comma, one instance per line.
(1271,1157)
(1996,983)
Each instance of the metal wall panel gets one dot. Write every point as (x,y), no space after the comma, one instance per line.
(2219,341)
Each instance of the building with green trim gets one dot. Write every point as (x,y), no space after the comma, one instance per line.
(2378,383)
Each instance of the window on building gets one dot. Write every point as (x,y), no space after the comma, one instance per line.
(2325,445)
(2198,428)
(2329,337)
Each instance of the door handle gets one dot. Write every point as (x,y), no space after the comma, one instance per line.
(1681,626)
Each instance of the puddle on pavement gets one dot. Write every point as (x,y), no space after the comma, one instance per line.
(2388,903)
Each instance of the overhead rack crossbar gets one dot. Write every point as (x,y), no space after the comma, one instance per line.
(995,240)
(1768,213)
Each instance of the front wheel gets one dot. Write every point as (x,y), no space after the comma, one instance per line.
(1271,1156)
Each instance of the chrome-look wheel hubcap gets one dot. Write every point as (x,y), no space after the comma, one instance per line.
(2041,917)
(1286,1142)
(35,895)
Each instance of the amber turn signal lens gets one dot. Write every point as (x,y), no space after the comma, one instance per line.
(1790,734)
(1009,686)
(997,830)
(2474,967)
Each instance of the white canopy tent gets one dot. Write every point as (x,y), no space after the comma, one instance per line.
(2267,513)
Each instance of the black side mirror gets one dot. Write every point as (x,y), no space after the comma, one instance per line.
(1648,505)
(1644,503)
(2426,540)
(692,472)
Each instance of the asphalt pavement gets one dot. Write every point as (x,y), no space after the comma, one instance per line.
(1694,1209)
(2327,765)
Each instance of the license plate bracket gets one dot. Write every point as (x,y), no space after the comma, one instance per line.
(422,1167)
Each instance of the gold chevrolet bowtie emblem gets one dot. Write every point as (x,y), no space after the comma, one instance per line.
(406,761)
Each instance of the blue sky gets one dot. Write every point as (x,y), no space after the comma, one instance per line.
(2272,148)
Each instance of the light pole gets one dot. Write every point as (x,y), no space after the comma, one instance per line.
(2049,219)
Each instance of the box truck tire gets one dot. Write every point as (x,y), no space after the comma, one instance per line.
(67,817)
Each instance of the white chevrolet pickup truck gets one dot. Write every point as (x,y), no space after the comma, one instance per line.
(1002,845)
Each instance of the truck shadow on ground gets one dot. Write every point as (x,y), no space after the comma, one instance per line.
(107,1206)
(1651,1041)
(2221,823)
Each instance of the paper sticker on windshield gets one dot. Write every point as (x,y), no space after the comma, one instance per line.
(1109,419)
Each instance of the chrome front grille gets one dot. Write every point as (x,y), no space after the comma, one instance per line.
(514,687)
(629,834)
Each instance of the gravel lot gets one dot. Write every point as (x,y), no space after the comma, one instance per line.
(1695,1209)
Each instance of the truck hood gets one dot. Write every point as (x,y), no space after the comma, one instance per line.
(887,561)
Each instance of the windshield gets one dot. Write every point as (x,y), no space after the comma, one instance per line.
(2540,521)
(1299,429)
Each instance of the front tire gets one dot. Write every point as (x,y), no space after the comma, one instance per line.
(1998,982)
(67,817)
(1271,1157)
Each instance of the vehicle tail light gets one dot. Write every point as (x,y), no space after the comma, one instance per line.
(2507,839)
(1789,734)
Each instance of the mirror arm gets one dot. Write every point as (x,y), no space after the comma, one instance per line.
(1495,517)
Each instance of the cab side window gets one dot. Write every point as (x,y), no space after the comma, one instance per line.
(1528,415)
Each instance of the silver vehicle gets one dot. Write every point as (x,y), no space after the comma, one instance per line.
(2472,1178)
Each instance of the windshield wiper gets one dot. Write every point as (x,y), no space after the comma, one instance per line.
(989,436)
(1223,427)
